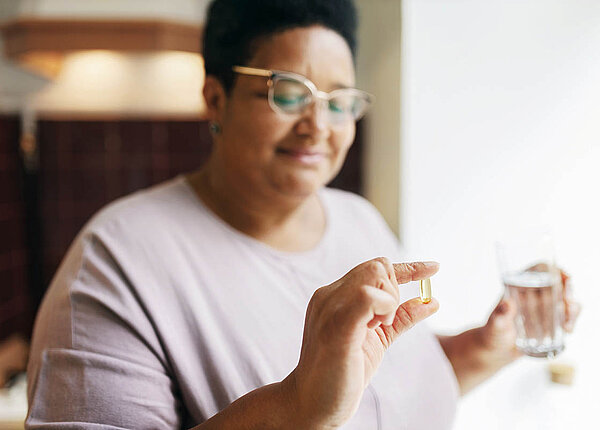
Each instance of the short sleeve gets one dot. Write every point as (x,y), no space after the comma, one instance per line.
(80,389)
(96,361)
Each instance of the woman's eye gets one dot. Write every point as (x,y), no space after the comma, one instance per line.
(288,99)
(335,107)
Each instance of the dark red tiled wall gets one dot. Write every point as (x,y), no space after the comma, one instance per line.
(83,165)
(86,164)
(15,312)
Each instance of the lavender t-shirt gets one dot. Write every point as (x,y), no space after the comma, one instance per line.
(161,315)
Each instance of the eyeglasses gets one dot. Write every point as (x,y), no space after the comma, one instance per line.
(290,93)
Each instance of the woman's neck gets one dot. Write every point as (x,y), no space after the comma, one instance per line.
(286,224)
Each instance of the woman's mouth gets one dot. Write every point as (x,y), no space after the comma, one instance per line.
(303,156)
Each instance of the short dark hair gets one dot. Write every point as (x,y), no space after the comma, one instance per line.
(234,26)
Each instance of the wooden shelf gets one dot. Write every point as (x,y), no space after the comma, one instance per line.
(27,35)
(40,44)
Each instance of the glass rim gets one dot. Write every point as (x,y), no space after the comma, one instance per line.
(317,95)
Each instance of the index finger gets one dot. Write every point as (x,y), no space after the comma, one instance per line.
(406,272)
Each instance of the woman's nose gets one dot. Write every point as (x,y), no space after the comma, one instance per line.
(315,120)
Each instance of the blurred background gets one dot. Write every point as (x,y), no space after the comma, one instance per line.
(486,125)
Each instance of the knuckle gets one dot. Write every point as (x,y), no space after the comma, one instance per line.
(372,267)
(376,268)
(388,268)
(404,318)
(384,261)
(362,294)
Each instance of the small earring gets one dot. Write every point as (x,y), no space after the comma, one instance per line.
(214,128)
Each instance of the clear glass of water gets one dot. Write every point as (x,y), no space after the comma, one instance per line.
(533,281)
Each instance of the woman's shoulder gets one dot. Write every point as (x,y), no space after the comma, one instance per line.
(143,208)
(141,229)
(145,220)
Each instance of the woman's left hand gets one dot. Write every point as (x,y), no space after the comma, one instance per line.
(572,307)
(479,353)
(499,334)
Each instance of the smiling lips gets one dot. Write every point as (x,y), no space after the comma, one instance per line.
(303,156)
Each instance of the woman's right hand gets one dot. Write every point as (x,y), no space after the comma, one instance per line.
(349,325)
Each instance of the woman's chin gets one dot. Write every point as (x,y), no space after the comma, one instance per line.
(300,185)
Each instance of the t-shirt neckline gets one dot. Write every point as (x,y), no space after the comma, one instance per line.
(255,242)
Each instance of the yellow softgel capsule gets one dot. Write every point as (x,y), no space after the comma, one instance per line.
(425,290)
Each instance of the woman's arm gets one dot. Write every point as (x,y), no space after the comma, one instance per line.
(273,406)
(94,345)
(348,327)
(473,363)
(479,353)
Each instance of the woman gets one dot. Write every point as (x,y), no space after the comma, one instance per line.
(186,304)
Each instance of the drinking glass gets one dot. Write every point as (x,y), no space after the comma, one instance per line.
(533,281)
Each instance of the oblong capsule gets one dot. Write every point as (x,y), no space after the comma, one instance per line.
(425,290)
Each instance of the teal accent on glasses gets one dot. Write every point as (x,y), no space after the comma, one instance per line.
(283,100)
(335,107)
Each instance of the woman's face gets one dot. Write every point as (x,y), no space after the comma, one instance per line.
(278,154)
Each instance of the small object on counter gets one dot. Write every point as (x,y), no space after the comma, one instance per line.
(561,373)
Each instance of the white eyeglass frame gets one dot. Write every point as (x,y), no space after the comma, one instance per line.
(316,94)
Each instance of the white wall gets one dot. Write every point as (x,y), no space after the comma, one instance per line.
(501,134)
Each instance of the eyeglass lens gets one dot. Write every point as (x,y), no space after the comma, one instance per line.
(293,96)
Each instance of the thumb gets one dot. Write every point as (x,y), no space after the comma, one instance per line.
(408,314)
(503,315)
(499,334)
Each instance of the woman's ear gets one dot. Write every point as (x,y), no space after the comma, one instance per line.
(215,98)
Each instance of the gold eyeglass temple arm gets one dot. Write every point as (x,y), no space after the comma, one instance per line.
(252,71)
